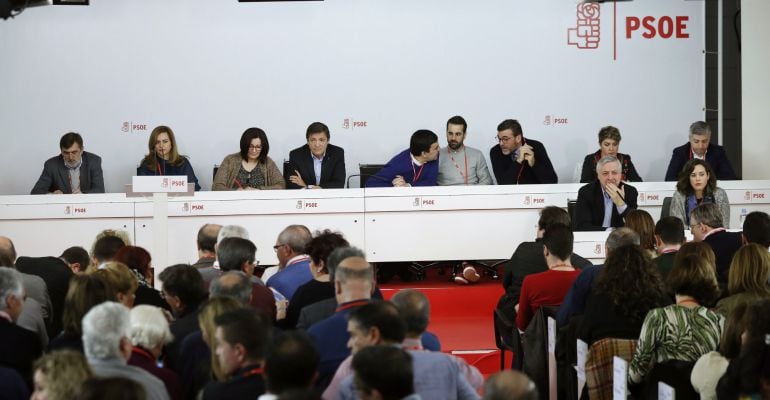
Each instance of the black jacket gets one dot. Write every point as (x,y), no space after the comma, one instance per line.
(507,170)
(715,156)
(589,210)
(332,167)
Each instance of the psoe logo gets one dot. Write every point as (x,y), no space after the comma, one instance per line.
(130,126)
(350,123)
(553,120)
(586,35)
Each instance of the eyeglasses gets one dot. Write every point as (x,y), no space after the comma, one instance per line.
(504,139)
(255,147)
(276,247)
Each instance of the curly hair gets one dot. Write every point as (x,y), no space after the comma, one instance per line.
(631,282)
(683,181)
(64,371)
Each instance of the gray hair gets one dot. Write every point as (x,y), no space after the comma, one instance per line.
(296,237)
(346,274)
(104,326)
(240,291)
(339,254)
(414,308)
(149,327)
(232,231)
(700,128)
(621,237)
(10,284)
(510,384)
(606,160)
(707,214)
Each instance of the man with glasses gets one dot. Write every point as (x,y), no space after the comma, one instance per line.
(73,171)
(293,263)
(239,254)
(519,161)
(706,226)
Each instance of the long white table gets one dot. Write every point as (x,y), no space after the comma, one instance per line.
(390,224)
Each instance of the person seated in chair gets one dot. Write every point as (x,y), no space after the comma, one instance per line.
(416,166)
(603,203)
(317,164)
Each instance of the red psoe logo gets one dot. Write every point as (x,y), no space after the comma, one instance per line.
(586,35)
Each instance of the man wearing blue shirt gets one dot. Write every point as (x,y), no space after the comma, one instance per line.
(416,166)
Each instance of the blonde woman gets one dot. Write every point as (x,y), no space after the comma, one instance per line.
(122,281)
(59,375)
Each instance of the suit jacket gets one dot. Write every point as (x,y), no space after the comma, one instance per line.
(19,348)
(715,156)
(724,244)
(55,176)
(56,275)
(589,210)
(588,173)
(332,167)
(507,171)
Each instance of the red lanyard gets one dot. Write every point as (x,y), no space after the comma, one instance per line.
(252,372)
(143,352)
(347,306)
(416,174)
(157,165)
(457,166)
(521,170)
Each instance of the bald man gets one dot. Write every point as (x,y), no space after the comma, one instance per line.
(509,385)
(206,243)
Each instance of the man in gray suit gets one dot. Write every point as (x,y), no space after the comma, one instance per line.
(73,171)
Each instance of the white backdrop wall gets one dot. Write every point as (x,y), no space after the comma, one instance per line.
(755,87)
(211,69)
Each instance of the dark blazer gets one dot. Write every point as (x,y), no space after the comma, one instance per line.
(56,275)
(589,210)
(715,156)
(588,174)
(55,176)
(507,170)
(19,348)
(724,244)
(332,167)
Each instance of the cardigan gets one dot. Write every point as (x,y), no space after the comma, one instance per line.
(679,203)
(228,171)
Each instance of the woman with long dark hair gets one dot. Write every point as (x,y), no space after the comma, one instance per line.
(250,168)
(697,184)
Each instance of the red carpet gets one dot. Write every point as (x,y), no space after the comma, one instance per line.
(461,316)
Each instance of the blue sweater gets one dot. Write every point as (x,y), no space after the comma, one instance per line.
(402,165)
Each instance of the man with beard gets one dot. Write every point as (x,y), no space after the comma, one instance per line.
(460,164)
(73,171)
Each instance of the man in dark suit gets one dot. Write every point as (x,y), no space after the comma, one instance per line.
(603,203)
(317,164)
(519,161)
(19,348)
(73,171)
(700,147)
(706,226)
(56,274)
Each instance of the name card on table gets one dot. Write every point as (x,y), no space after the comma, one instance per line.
(619,378)
(159,184)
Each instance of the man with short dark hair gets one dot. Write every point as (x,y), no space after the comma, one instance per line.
(756,228)
(105,249)
(669,237)
(183,291)
(241,339)
(384,373)
(519,161)
(291,363)
(56,274)
(206,243)
(294,264)
(416,166)
(317,164)
(76,258)
(73,171)
(700,147)
(706,226)
(460,164)
(603,203)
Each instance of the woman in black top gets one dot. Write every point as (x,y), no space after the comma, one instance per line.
(609,142)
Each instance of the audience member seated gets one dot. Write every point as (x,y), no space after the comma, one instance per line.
(528,259)
(609,143)
(138,260)
(56,274)
(436,375)
(460,164)
(711,366)
(241,337)
(149,333)
(59,375)
(106,331)
(756,228)
(625,290)
(251,168)
(112,388)
(683,331)
(295,267)
(706,226)
(748,278)
(238,254)
(415,166)
(700,148)
(12,385)
(508,385)
(104,249)
(698,185)
(641,222)
(747,374)
(206,243)
(122,281)
(384,372)
(183,291)
(519,161)
(233,284)
(73,171)
(575,301)
(18,346)
(548,288)
(85,292)
(163,157)
(603,203)
(290,364)
(77,259)
(669,237)
(317,164)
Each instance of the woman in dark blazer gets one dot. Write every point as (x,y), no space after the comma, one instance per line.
(609,143)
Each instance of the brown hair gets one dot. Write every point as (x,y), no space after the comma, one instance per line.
(749,270)
(694,276)
(118,276)
(65,371)
(211,309)
(683,181)
(641,222)
(151,159)
(609,132)
(84,292)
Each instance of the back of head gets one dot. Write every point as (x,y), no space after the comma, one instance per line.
(339,254)
(247,327)
(558,239)
(707,214)
(630,282)
(232,231)
(698,249)
(106,247)
(749,271)
(149,327)
(104,326)
(620,237)
(296,237)
(291,362)
(510,385)
(64,371)
(233,252)
(735,325)
(234,284)
(322,245)
(210,310)
(552,215)
(134,257)
(671,230)
(694,276)
(641,222)
(119,277)
(207,237)
(382,315)
(112,388)
(184,281)
(354,270)
(414,308)
(76,255)
(385,369)
(10,284)
(756,228)
(7,252)
(84,292)
(421,141)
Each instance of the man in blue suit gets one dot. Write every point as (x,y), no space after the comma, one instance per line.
(700,147)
